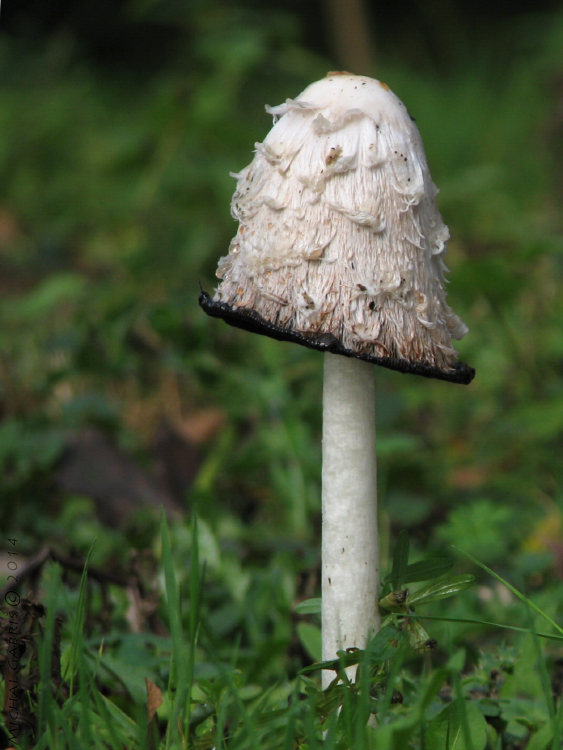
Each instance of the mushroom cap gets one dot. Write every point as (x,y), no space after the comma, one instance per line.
(340,243)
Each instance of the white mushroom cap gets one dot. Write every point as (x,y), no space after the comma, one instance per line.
(340,245)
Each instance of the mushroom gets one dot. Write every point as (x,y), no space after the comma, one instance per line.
(340,248)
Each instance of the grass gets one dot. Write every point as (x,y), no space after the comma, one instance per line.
(198,700)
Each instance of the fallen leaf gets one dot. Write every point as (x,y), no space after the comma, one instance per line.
(154,698)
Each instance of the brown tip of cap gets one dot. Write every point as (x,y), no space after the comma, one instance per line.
(339,73)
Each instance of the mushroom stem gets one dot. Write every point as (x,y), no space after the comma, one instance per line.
(350,545)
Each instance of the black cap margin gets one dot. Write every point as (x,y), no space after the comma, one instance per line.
(249,320)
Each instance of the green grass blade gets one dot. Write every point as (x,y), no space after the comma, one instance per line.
(196,586)
(85,722)
(542,669)
(45,742)
(558,729)
(78,625)
(309,607)
(122,721)
(45,648)
(400,560)
(294,711)
(102,710)
(394,670)
(309,725)
(178,666)
(463,713)
(514,590)
(463,620)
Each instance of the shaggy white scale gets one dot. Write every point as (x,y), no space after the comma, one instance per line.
(339,231)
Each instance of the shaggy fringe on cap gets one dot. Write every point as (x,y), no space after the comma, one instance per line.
(340,238)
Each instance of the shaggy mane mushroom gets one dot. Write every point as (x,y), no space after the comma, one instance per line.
(340,248)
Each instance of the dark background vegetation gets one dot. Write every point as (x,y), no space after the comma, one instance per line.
(119,125)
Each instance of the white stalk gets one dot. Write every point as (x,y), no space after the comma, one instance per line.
(350,546)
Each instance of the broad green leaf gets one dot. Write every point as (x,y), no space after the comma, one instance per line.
(124,722)
(542,739)
(309,607)
(489,707)
(426,570)
(132,676)
(400,560)
(394,736)
(527,711)
(446,730)
(457,661)
(441,589)
(310,637)
(384,645)
(518,730)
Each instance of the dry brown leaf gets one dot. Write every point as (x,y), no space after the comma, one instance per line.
(201,425)
(154,698)
(469,477)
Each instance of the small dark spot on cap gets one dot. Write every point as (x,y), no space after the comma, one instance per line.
(371,305)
